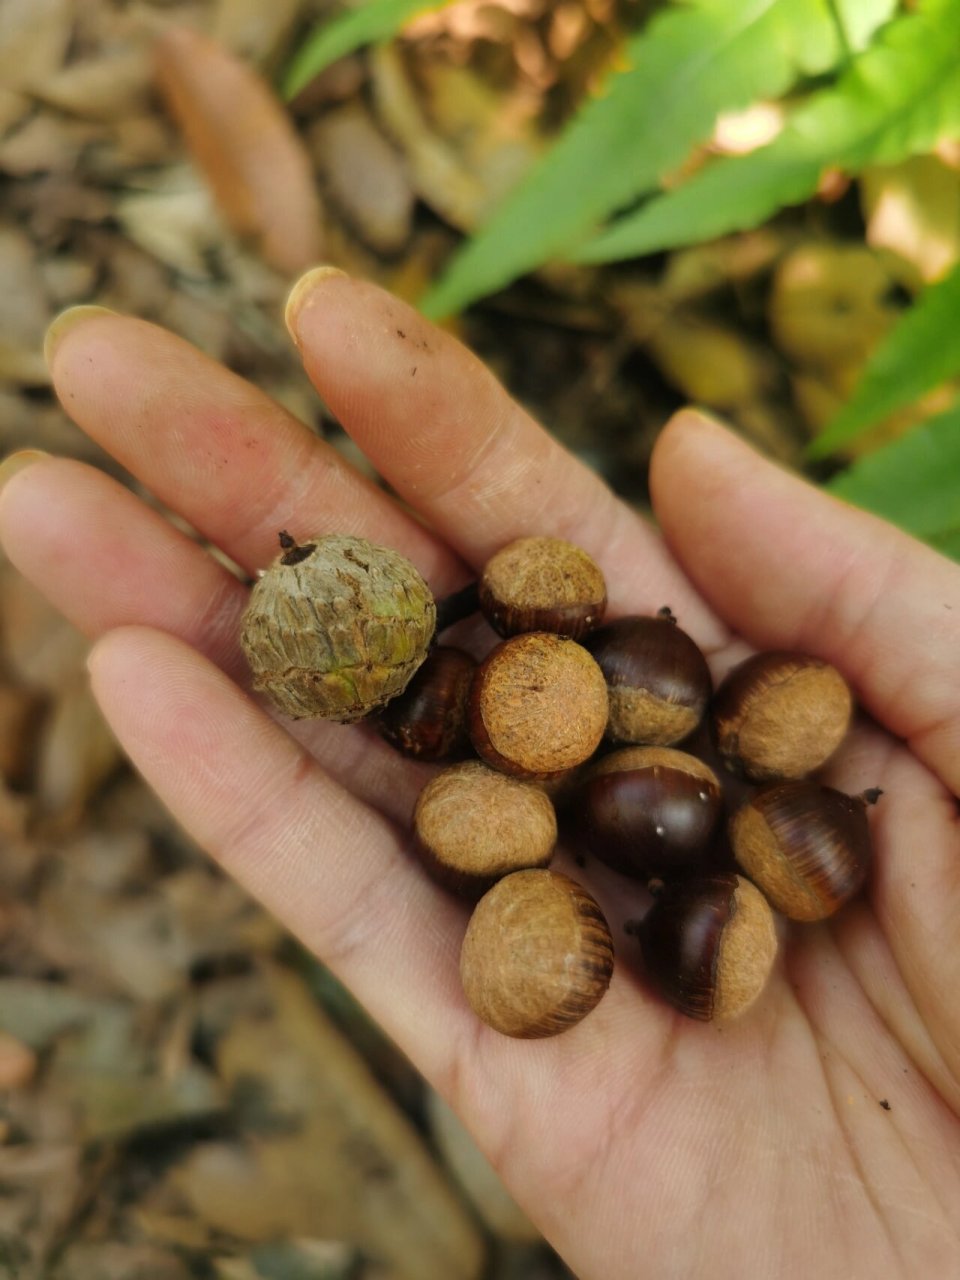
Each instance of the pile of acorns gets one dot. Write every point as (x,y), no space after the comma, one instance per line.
(567,715)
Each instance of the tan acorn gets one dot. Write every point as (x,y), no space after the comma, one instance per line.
(336,627)
(537,956)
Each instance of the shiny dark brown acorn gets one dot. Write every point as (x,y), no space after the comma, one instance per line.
(649,811)
(658,680)
(806,846)
(780,715)
(428,721)
(538,705)
(542,584)
(709,945)
(537,955)
(474,825)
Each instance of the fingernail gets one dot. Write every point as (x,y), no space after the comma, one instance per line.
(300,293)
(17,462)
(61,325)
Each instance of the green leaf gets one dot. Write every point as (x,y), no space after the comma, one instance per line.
(685,68)
(895,99)
(914,481)
(920,353)
(373,20)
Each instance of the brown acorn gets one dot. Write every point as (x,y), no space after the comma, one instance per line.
(806,846)
(542,584)
(780,715)
(649,812)
(658,680)
(538,705)
(537,955)
(428,721)
(474,825)
(709,945)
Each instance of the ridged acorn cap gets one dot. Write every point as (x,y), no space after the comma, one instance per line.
(336,627)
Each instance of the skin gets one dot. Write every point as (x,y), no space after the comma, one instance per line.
(644,1145)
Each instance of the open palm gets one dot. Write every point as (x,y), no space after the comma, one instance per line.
(818,1137)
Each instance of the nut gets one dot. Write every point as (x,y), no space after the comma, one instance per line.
(542,584)
(538,705)
(806,846)
(658,680)
(537,955)
(780,715)
(474,826)
(709,945)
(336,627)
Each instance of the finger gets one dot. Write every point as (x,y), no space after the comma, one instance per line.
(441,429)
(324,864)
(106,560)
(224,455)
(791,567)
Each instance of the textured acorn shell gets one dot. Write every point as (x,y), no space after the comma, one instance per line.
(338,630)
(806,846)
(780,715)
(649,811)
(474,825)
(709,945)
(658,680)
(542,584)
(537,955)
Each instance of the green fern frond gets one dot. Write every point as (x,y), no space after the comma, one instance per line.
(920,353)
(896,99)
(914,482)
(688,66)
(372,21)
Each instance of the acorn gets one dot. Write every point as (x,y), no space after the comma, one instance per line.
(542,584)
(428,721)
(537,955)
(657,679)
(806,846)
(709,945)
(649,812)
(336,627)
(780,715)
(538,705)
(473,826)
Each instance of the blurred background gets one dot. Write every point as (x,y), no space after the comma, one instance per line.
(622,207)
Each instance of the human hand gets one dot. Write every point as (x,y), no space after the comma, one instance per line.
(642,1144)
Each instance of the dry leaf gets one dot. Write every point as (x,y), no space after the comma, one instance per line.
(346,1162)
(913,208)
(34,36)
(365,177)
(246,146)
(76,755)
(467,145)
(257,31)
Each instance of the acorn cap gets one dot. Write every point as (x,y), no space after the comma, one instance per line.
(542,584)
(538,705)
(336,627)
(537,955)
(474,825)
(781,715)
(806,846)
(657,678)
